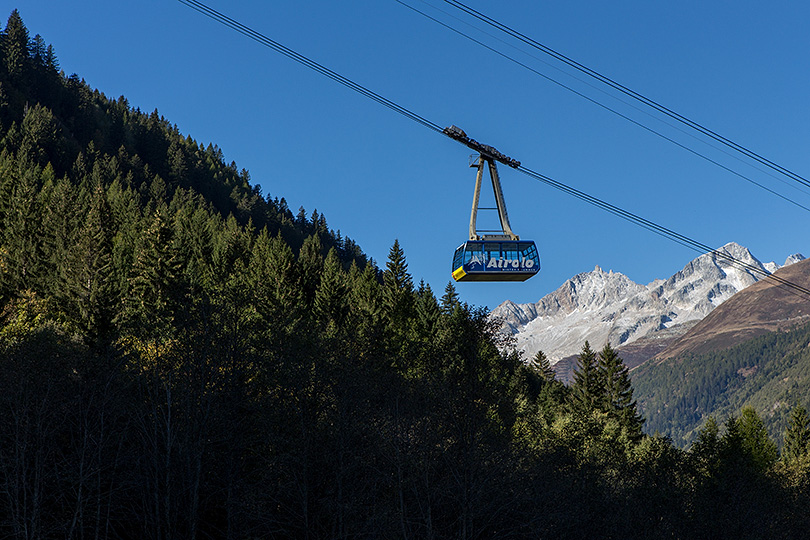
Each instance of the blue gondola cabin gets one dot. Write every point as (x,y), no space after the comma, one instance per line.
(495,261)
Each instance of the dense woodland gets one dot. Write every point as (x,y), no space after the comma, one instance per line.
(770,373)
(182,357)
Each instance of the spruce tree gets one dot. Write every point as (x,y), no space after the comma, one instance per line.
(22,259)
(16,45)
(87,276)
(797,435)
(618,399)
(450,299)
(310,266)
(427,310)
(542,366)
(756,442)
(588,389)
(154,286)
(330,297)
(397,285)
(272,276)
(705,451)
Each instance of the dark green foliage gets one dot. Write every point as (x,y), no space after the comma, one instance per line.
(182,358)
(768,373)
(450,298)
(543,367)
(797,435)
(587,391)
(618,399)
(756,442)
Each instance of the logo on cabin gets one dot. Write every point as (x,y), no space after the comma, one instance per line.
(510,264)
(478,263)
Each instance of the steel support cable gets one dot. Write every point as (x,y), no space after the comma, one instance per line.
(663,231)
(628,216)
(301,59)
(607,108)
(683,130)
(631,93)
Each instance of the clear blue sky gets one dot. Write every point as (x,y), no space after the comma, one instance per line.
(739,68)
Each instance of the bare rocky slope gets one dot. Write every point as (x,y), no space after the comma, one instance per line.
(641,320)
(763,307)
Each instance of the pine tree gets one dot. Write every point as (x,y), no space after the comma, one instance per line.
(397,286)
(618,399)
(449,300)
(542,366)
(756,442)
(797,435)
(587,391)
(330,297)
(16,44)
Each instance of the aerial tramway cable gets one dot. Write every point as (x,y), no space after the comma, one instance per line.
(594,201)
(616,112)
(628,92)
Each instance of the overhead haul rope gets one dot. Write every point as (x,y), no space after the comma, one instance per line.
(615,210)
(614,111)
(628,92)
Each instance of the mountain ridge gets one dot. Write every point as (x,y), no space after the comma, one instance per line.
(602,307)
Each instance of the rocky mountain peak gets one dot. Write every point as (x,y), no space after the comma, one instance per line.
(601,306)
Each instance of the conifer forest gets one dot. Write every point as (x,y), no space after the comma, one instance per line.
(185,357)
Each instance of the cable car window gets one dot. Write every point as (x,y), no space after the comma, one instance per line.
(493,251)
(473,253)
(458,257)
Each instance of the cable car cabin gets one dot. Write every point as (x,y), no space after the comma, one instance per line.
(492,257)
(504,260)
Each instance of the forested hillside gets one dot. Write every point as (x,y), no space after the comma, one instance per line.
(770,373)
(181,357)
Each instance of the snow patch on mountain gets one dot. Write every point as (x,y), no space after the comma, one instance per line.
(603,307)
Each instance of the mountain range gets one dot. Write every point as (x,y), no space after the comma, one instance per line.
(752,351)
(640,320)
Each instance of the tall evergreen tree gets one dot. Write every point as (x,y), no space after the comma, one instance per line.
(705,451)
(427,311)
(797,435)
(273,279)
(16,44)
(618,399)
(40,135)
(330,297)
(756,441)
(542,366)
(154,287)
(310,266)
(588,388)
(88,276)
(22,259)
(397,285)
(449,300)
